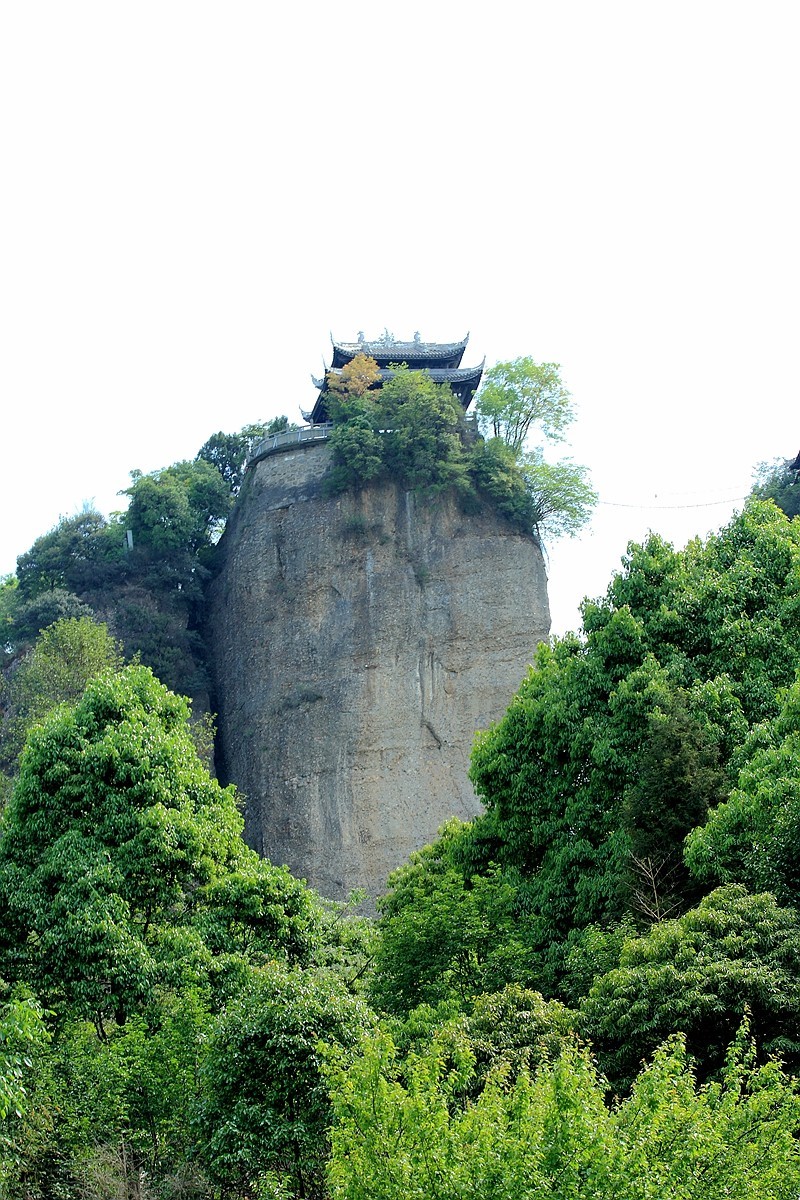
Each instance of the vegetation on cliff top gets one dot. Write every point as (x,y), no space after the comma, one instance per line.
(414,431)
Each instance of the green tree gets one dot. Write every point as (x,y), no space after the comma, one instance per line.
(230,452)
(443,936)
(697,975)
(775,481)
(65,657)
(408,1130)
(33,616)
(71,556)
(752,839)
(179,508)
(560,494)
(686,651)
(423,443)
(114,840)
(266,1107)
(22,1035)
(9,603)
(411,428)
(516,400)
(522,395)
(357,450)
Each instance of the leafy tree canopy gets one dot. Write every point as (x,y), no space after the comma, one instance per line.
(521,396)
(266,1106)
(230,452)
(115,847)
(620,742)
(410,1128)
(65,657)
(775,481)
(698,974)
(753,838)
(179,508)
(441,939)
(69,556)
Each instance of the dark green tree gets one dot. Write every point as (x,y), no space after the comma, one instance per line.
(113,844)
(697,975)
(32,617)
(71,556)
(753,838)
(775,481)
(266,1109)
(230,452)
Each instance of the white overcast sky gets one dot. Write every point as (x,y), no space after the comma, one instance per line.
(192,195)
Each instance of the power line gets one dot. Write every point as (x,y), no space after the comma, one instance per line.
(658,507)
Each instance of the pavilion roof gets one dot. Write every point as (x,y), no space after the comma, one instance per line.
(442,360)
(388,349)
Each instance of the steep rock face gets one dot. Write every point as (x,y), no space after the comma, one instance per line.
(358,643)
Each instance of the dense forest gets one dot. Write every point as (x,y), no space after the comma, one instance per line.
(591,990)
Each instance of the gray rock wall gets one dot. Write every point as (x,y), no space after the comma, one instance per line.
(358,643)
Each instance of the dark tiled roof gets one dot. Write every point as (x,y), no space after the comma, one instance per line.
(387,350)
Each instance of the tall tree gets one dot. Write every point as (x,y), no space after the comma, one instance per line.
(520,396)
(686,651)
(113,844)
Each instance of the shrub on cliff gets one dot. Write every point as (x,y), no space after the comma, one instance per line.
(414,430)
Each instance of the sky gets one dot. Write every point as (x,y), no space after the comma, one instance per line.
(195,196)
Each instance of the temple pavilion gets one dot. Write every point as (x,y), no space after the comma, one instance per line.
(441,359)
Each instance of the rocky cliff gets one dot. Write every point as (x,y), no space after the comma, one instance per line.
(358,642)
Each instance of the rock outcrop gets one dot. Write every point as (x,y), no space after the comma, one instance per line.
(359,641)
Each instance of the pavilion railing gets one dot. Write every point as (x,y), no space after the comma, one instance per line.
(278,442)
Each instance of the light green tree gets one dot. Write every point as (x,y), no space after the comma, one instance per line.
(521,396)
(520,403)
(409,1129)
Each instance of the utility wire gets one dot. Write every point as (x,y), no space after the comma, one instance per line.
(642,507)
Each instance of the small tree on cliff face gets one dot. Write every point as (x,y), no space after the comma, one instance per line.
(354,381)
(516,399)
(519,396)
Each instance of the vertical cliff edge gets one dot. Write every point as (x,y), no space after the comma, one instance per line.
(358,642)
